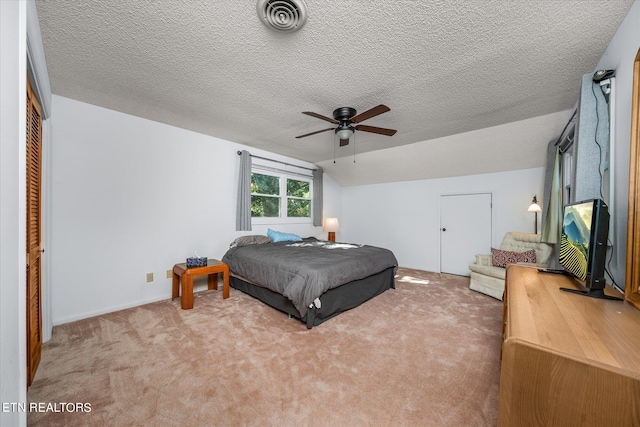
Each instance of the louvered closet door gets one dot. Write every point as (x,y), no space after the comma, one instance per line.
(34,241)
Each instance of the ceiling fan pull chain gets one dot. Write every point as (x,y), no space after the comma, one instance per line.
(354,148)
(335,141)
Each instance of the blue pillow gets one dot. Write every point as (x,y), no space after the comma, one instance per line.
(278,236)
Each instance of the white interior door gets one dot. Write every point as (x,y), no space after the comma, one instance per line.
(465,230)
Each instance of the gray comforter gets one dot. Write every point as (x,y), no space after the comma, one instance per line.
(303,271)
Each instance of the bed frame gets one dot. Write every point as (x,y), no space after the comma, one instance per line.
(334,301)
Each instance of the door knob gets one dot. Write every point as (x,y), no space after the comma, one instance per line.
(444,229)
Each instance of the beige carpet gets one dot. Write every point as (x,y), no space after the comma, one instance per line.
(424,354)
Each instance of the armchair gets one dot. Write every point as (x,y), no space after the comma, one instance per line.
(489,279)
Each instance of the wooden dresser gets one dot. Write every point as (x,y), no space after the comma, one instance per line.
(567,359)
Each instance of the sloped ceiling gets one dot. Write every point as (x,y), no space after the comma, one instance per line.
(443,67)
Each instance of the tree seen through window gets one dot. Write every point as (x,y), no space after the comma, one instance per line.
(267,196)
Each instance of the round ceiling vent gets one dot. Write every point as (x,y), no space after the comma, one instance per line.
(282,15)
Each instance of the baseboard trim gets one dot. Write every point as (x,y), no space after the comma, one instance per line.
(57,322)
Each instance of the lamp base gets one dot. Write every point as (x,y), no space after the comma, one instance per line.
(332,236)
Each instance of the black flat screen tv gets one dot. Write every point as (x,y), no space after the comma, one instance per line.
(583,246)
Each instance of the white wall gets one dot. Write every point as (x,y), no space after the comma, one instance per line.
(13,71)
(405,217)
(131,196)
(620,55)
(332,203)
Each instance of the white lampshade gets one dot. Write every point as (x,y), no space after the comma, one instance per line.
(344,132)
(534,207)
(331,225)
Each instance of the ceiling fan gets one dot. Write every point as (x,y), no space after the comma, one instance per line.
(345,118)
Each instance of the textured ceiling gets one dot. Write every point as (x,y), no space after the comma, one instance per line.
(444,67)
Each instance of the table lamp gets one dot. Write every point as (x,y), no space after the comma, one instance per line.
(331,225)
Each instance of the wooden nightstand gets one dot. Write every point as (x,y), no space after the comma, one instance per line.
(213,267)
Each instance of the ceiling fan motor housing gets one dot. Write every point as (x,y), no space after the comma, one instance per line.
(344,113)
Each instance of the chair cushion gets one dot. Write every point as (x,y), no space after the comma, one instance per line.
(500,258)
(497,272)
(520,242)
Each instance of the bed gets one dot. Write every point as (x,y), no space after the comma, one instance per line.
(310,279)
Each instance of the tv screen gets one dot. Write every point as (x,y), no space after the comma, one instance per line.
(575,238)
(583,245)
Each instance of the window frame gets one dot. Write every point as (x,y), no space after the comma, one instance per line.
(283,176)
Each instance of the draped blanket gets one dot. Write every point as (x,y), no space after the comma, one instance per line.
(303,271)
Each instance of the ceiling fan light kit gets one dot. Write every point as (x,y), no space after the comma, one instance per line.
(345,117)
(344,131)
(282,15)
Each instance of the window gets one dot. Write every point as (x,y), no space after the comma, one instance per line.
(265,195)
(281,196)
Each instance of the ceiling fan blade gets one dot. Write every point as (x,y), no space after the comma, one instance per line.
(320,116)
(370,113)
(313,133)
(344,142)
(374,129)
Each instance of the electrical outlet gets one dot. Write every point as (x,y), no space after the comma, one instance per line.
(169,274)
(149,277)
